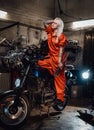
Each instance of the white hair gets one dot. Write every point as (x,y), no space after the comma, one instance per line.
(60,24)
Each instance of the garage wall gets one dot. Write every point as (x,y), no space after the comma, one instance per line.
(31,35)
(10,33)
(74,10)
(79,36)
(28,11)
(4,81)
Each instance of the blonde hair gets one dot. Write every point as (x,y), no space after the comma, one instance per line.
(60,24)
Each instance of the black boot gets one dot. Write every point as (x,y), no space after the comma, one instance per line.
(58,105)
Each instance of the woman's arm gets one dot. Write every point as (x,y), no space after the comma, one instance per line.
(60,63)
(47,22)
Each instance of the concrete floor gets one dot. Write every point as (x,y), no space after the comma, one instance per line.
(73,117)
(69,119)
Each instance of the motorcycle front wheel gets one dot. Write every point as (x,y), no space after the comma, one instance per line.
(13,115)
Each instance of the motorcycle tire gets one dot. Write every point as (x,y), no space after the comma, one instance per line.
(13,116)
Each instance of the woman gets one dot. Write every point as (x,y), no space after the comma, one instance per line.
(56,58)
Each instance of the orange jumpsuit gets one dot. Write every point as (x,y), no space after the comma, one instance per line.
(52,63)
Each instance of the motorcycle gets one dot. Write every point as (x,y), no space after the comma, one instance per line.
(33,87)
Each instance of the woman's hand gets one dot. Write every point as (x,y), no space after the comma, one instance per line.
(47,56)
(46,23)
(60,65)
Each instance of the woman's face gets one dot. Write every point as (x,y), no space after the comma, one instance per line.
(54,25)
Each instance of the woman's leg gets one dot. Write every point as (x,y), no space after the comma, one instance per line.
(60,83)
(46,64)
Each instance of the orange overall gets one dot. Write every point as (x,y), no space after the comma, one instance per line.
(52,63)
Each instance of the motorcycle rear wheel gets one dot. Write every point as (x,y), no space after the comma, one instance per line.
(13,116)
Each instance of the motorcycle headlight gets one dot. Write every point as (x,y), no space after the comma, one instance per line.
(17,82)
(86,74)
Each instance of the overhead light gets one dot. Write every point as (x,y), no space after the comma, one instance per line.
(3,14)
(82,24)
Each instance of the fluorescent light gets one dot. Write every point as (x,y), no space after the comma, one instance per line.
(3,14)
(82,24)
